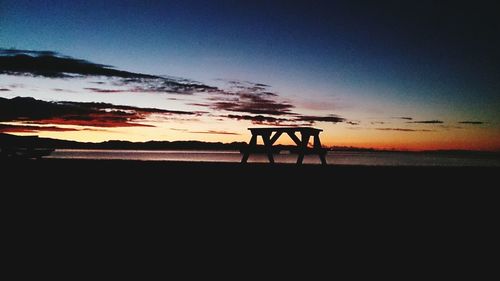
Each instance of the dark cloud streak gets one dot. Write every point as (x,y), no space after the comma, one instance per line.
(330,118)
(427,122)
(403,130)
(472,122)
(32,111)
(251,101)
(7,128)
(213,132)
(53,65)
(105,91)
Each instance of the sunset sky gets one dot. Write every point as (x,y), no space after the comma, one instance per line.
(384,74)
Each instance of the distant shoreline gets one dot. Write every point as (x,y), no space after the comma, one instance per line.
(33,141)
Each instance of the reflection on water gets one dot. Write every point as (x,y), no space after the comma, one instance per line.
(333,157)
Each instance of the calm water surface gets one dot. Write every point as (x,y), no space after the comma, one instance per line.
(333,157)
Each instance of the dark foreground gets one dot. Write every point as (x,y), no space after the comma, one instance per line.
(259,181)
(251,187)
(234,174)
(300,214)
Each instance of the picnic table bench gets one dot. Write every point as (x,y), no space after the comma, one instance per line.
(271,135)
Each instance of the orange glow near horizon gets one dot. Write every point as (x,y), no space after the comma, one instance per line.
(464,139)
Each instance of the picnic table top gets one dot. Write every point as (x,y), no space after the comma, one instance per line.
(284,129)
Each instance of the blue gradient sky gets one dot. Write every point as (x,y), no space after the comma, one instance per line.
(362,60)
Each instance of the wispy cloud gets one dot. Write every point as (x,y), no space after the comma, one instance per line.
(450,127)
(213,132)
(27,52)
(403,118)
(4,90)
(403,130)
(257,119)
(247,97)
(240,100)
(63,90)
(53,65)
(32,111)
(297,120)
(254,105)
(330,118)
(99,90)
(257,103)
(427,122)
(164,85)
(7,128)
(472,122)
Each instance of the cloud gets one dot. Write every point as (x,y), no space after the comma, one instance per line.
(257,103)
(140,110)
(257,119)
(27,52)
(427,122)
(354,123)
(403,118)
(403,130)
(267,120)
(254,105)
(247,97)
(246,100)
(199,104)
(63,90)
(164,85)
(7,128)
(472,122)
(238,86)
(4,90)
(212,132)
(32,111)
(99,90)
(450,127)
(330,118)
(297,120)
(53,65)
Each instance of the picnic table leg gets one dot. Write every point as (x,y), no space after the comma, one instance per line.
(251,146)
(275,137)
(317,146)
(322,158)
(268,145)
(303,147)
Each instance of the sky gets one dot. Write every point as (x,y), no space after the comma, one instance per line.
(411,75)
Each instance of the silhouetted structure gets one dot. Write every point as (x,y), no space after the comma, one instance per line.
(302,149)
(22,148)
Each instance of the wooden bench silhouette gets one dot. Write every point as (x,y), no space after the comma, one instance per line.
(269,139)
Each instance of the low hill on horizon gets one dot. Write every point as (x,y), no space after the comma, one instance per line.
(8,140)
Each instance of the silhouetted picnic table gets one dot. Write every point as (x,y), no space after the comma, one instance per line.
(269,139)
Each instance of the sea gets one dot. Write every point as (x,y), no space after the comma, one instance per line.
(368,158)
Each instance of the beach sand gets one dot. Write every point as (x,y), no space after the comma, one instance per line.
(272,192)
(256,177)
(249,210)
